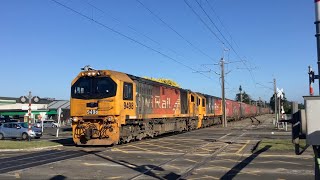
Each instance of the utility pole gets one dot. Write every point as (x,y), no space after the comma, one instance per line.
(224,119)
(275,101)
(240,89)
(260,104)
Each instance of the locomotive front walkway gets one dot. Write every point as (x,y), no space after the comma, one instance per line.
(210,153)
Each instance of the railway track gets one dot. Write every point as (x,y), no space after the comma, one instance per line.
(237,135)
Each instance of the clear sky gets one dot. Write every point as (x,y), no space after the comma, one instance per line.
(43,45)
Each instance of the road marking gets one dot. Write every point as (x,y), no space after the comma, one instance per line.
(17,175)
(245,145)
(102,164)
(278,161)
(162,147)
(148,150)
(117,149)
(175,167)
(115,177)
(269,155)
(190,160)
(175,144)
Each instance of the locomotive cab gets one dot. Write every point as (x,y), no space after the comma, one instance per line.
(100,102)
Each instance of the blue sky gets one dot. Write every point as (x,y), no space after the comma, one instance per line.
(43,45)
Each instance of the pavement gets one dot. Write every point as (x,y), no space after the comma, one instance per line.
(209,153)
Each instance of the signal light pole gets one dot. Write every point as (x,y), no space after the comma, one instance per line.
(30,98)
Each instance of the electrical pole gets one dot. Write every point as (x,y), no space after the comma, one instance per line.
(224,119)
(260,102)
(240,89)
(275,101)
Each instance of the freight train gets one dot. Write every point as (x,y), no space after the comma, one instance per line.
(109,107)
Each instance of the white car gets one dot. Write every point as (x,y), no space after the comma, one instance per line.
(48,123)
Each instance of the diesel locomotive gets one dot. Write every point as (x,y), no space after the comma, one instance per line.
(110,107)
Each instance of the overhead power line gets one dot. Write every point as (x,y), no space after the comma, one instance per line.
(172,29)
(230,45)
(222,24)
(124,35)
(135,30)
(199,17)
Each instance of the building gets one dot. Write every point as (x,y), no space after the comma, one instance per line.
(46,108)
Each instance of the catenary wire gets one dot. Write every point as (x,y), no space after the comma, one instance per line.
(172,29)
(125,36)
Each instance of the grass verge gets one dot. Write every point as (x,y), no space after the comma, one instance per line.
(8,144)
(279,144)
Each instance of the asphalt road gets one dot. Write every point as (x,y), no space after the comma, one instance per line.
(210,153)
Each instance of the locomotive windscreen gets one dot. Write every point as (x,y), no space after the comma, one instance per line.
(93,88)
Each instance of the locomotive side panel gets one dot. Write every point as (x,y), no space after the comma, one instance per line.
(155,101)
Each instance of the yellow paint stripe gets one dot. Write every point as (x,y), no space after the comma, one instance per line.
(245,145)
(115,177)
(148,150)
(190,160)
(162,146)
(223,167)
(175,144)
(117,149)
(175,167)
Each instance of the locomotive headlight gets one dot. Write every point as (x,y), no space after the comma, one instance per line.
(75,119)
(109,118)
(93,73)
(89,73)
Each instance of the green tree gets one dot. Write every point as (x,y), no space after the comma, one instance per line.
(245,97)
(286,104)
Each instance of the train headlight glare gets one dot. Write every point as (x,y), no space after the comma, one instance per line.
(75,119)
(89,74)
(109,118)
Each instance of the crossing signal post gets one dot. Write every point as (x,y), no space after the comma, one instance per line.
(30,99)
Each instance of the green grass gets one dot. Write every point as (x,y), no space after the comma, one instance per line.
(16,144)
(279,144)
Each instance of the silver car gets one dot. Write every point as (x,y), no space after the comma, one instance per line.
(18,130)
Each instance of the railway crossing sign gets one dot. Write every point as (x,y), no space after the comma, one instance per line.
(280,93)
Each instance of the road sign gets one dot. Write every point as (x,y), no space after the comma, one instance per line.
(280,93)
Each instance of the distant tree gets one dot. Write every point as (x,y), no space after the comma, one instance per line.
(245,97)
(286,104)
(164,81)
(301,106)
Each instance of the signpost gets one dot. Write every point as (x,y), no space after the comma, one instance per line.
(30,98)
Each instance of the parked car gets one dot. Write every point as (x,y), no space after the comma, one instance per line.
(47,124)
(18,130)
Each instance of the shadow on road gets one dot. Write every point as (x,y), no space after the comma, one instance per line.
(58,177)
(64,142)
(36,159)
(236,169)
